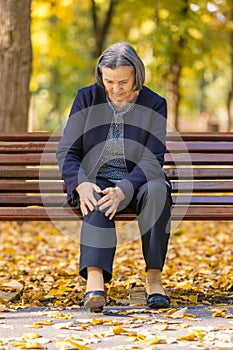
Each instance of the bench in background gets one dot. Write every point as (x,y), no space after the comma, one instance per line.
(200,166)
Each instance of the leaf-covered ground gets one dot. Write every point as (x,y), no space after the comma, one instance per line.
(198,267)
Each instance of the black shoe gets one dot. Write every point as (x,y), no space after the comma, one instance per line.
(95,300)
(157,301)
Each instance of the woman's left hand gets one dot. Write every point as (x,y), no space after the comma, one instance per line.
(110,201)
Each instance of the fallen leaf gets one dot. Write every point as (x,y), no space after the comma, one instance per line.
(119,330)
(219,313)
(28,345)
(31,336)
(177,314)
(195,334)
(161,327)
(62,325)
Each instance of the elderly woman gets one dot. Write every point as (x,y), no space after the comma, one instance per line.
(111,156)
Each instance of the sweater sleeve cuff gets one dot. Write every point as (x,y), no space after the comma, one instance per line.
(127,187)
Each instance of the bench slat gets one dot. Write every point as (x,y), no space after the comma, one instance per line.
(177,158)
(58,200)
(185,136)
(42,214)
(27,159)
(199,136)
(57,186)
(31,187)
(206,186)
(193,200)
(27,147)
(29,136)
(172,146)
(199,158)
(199,173)
(30,173)
(200,147)
(24,200)
(183,173)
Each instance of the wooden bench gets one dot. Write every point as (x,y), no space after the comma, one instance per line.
(200,166)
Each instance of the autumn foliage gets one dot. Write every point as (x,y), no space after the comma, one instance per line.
(198,267)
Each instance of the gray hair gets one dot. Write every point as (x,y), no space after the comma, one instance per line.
(118,55)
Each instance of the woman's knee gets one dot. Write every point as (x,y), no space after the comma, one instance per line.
(154,188)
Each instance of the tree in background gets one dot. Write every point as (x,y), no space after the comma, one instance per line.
(228,12)
(67,39)
(190,45)
(101,28)
(15,63)
(184,45)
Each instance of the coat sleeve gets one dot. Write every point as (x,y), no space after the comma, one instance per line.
(69,152)
(151,162)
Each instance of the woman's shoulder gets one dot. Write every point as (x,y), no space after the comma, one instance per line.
(88,96)
(150,98)
(92,94)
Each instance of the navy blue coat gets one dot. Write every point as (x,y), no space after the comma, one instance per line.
(86,131)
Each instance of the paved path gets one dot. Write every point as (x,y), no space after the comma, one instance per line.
(202,327)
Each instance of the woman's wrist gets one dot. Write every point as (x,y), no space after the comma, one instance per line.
(120,193)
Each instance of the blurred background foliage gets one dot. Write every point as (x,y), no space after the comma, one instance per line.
(186,47)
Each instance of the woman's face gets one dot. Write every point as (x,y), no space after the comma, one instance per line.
(119,84)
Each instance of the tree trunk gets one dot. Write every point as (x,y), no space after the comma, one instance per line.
(230,96)
(230,110)
(15,63)
(100,31)
(173,94)
(174,74)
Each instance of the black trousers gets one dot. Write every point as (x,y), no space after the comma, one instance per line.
(152,203)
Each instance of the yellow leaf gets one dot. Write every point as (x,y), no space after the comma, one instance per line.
(164,13)
(196,334)
(2,342)
(34,325)
(61,316)
(28,345)
(79,346)
(31,336)
(66,344)
(189,316)
(153,341)
(195,33)
(62,344)
(219,313)
(177,314)
(119,330)
(186,285)
(39,324)
(193,298)
(45,323)
(161,327)
(96,321)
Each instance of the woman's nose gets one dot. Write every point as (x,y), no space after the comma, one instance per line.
(116,88)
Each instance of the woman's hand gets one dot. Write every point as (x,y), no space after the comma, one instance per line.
(86,196)
(111,199)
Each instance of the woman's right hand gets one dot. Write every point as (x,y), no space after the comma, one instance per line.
(86,196)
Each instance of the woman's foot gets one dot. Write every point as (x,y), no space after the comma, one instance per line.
(155,296)
(95,297)
(95,300)
(95,279)
(157,301)
(154,282)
